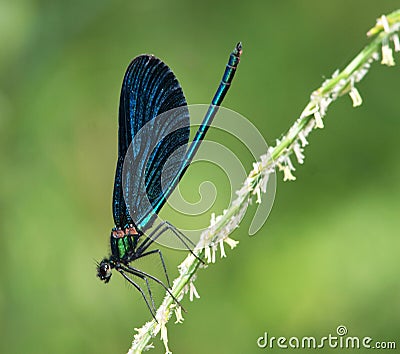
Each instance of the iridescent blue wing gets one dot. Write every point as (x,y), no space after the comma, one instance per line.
(149,91)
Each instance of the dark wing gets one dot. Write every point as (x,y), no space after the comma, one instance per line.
(149,135)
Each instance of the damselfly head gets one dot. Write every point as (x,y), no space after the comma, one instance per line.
(104,270)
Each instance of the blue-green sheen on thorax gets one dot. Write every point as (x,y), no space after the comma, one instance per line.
(121,246)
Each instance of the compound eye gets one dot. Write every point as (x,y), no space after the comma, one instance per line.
(104,271)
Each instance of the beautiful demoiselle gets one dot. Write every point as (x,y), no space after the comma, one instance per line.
(143,183)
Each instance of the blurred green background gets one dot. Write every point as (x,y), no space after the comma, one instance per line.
(329,252)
